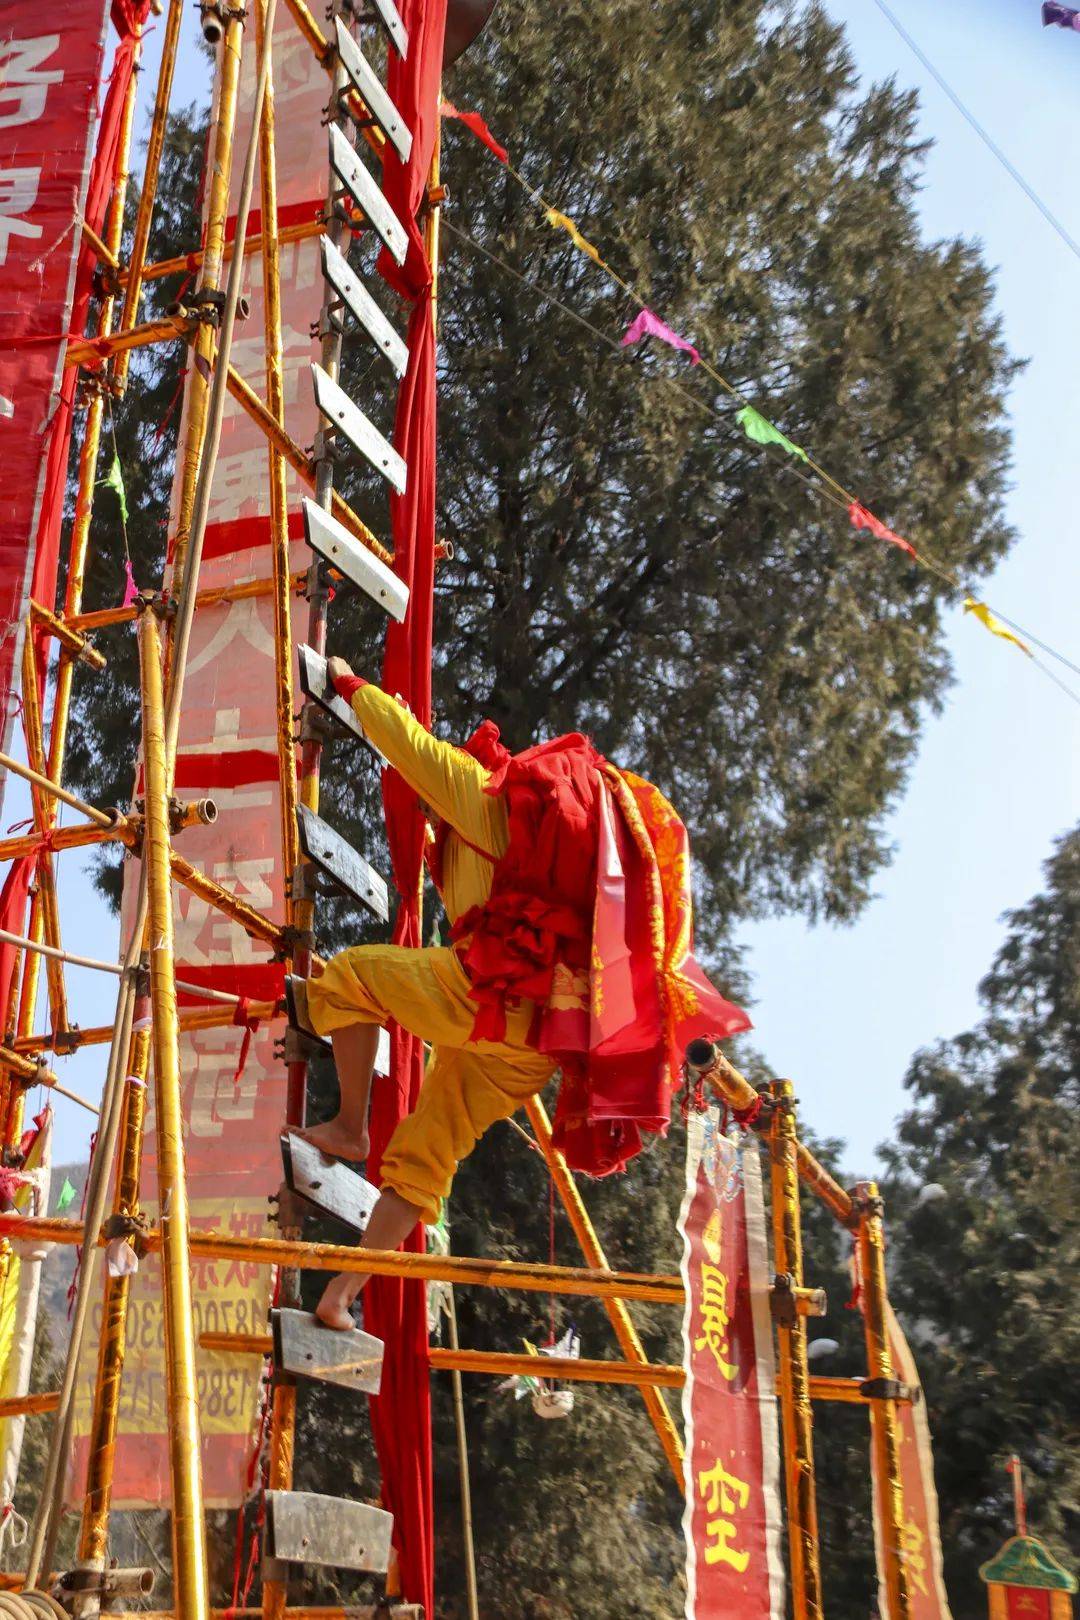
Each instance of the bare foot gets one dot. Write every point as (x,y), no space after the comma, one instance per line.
(333,1308)
(333,1139)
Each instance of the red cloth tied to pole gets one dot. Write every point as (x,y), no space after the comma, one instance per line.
(396,1310)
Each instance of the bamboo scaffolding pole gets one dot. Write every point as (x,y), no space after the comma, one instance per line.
(571,1281)
(190,1018)
(287,234)
(26,1405)
(736,1091)
(104,254)
(46,1527)
(884,1424)
(44,904)
(625,1332)
(215,894)
(93,351)
(197,396)
(246,396)
(72,641)
(92,1551)
(100,818)
(148,192)
(188,1538)
(36,1074)
(106,618)
(465,1483)
(796,1417)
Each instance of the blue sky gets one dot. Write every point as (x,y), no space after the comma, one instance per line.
(841,1011)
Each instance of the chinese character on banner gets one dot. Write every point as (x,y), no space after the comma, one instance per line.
(732,1519)
(920,1538)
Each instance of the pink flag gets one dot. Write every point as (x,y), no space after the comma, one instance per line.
(862,519)
(649,325)
(478,125)
(131,590)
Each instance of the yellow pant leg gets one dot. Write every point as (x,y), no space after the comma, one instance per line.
(426,991)
(463,1093)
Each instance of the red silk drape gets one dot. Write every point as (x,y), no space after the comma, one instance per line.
(127,19)
(396,1310)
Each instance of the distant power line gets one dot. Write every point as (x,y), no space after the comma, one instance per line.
(1010,168)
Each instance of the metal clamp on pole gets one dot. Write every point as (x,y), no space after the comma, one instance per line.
(788,1301)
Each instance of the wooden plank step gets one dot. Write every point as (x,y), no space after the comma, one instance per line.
(363,188)
(336,1188)
(372,93)
(361,306)
(337,860)
(364,436)
(302,1528)
(307,1349)
(358,565)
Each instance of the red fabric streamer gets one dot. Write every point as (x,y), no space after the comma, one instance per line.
(346,685)
(13,898)
(479,127)
(394,1309)
(243,1019)
(862,519)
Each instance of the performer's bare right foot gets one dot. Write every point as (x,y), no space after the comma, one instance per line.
(337,1141)
(333,1308)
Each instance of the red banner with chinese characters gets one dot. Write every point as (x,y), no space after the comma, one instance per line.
(50,68)
(732,1519)
(921,1536)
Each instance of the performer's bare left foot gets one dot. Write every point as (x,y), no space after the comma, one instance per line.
(333,1308)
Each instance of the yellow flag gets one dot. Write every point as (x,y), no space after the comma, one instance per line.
(565,223)
(994,624)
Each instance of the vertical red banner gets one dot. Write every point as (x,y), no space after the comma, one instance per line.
(921,1537)
(50,68)
(732,1519)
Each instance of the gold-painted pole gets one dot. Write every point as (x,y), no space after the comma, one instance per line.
(106,618)
(252,244)
(36,1074)
(571,1281)
(219,169)
(625,1331)
(795,1412)
(105,1409)
(148,192)
(191,1018)
(188,1538)
(27,1405)
(114,344)
(884,1424)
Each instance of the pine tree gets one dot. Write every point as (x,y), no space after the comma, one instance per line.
(989,1271)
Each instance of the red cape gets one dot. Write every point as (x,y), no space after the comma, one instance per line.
(590,916)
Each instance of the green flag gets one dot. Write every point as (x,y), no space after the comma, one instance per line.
(66,1198)
(758,428)
(114,480)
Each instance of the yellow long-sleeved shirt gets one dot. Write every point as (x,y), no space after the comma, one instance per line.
(452,783)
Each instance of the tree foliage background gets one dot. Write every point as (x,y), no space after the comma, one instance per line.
(627,563)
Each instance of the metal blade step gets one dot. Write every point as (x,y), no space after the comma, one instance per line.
(304,1347)
(388,14)
(316,684)
(363,187)
(338,408)
(360,566)
(360,304)
(338,861)
(302,1528)
(372,93)
(330,1184)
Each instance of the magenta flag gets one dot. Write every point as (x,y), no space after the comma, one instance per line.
(649,325)
(862,519)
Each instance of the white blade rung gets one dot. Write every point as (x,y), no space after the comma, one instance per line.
(303,1346)
(339,409)
(303,1528)
(334,542)
(360,304)
(390,18)
(364,189)
(371,92)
